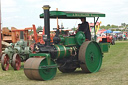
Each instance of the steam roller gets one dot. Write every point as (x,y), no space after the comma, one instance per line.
(67,53)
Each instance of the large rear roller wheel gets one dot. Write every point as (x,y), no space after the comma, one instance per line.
(91,57)
(33,71)
(5,62)
(66,70)
(16,62)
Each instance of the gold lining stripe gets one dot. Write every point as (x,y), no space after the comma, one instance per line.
(45,8)
(64,50)
(71,50)
(58,51)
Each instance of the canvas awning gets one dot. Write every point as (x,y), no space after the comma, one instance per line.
(72,14)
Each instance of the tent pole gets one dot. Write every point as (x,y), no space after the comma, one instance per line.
(94,28)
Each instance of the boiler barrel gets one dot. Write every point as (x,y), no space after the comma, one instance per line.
(63,51)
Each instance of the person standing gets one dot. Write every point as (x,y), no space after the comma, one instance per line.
(84,27)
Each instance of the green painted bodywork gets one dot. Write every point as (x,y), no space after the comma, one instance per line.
(39,54)
(104,47)
(63,51)
(46,71)
(62,39)
(46,55)
(53,65)
(70,41)
(20,48)
(72,14)
(80,37)
(10,51)
(76,40)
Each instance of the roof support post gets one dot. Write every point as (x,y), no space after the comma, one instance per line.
(94,28)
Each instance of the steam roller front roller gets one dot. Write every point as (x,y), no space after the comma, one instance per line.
(36,69)
(90,56)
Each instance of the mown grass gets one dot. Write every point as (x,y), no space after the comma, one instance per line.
(114,71)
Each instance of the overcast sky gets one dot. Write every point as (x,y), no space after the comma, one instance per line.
(24,13)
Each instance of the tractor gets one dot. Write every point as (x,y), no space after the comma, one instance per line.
(67,53)
(19,51)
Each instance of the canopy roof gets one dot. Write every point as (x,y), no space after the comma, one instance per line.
(72,14)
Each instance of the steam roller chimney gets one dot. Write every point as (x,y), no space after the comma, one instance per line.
(47,24)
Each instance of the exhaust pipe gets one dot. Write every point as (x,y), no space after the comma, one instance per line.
(47,24)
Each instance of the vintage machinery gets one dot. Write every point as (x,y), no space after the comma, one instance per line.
(6,34)
(19,50)
(66,52)
(16,34)
(15,54)
(12,36)
(108,38)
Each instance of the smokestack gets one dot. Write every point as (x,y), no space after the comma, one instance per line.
(47,24)
(21,35)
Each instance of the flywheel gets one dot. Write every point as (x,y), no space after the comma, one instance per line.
(90,56)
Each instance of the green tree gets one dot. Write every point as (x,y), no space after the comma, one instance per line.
(126,25)
(39,28)
(74,29)
(118,30)
(114,26)
(102,27)
(113,29)
(108,25)
(123,24)
(120,26)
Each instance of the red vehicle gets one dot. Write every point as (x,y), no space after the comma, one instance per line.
(109,38)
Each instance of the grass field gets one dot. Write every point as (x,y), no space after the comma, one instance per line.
(114,71)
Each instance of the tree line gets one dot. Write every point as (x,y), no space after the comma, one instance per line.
(123,25)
